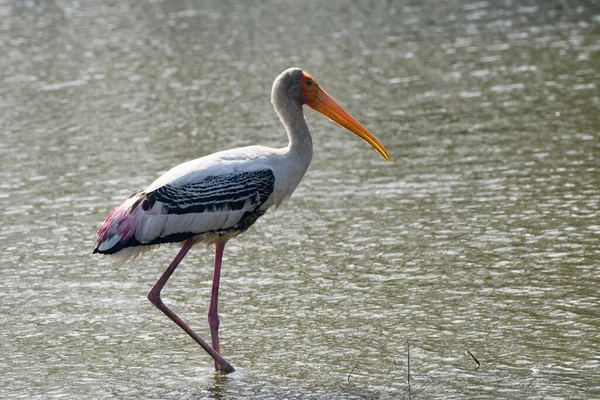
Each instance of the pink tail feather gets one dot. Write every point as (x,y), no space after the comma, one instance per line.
(119,226)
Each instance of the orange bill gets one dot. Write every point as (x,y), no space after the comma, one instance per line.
(317,99)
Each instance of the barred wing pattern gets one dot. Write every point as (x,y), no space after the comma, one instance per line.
(230,192)
(218,204)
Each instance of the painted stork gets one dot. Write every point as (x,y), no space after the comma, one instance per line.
(214,198)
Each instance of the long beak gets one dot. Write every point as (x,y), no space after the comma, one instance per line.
(327,106)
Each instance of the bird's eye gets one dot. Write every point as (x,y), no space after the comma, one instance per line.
(308,82)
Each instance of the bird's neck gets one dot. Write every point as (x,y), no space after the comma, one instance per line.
(300,148)
(300,141)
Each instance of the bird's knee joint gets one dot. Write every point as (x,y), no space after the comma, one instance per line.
(154,297)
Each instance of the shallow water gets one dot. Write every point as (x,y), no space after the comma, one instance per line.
(482,235)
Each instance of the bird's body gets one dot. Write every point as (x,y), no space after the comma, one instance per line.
(216,197)
(212,198)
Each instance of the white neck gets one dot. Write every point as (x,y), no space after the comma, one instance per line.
(300,141)
(296,157)
(299,150)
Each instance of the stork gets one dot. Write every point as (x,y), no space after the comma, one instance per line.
(215,198)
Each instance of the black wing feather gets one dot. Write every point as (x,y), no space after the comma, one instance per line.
(215,193)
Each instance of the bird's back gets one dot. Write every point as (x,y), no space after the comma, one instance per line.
(212,198)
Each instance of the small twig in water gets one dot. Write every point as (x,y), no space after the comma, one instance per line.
(477,361)
(351,372)
(408,365)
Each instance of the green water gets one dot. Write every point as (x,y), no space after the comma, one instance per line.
(481,235)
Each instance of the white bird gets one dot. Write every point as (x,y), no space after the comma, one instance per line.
(214,198)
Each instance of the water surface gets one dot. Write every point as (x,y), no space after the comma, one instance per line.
(481,235)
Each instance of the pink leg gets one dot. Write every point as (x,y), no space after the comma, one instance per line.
(213,316)
(154,296)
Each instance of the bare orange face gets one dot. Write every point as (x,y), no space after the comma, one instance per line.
(317,99)
(309,88)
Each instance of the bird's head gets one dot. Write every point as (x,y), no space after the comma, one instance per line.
(301,88)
